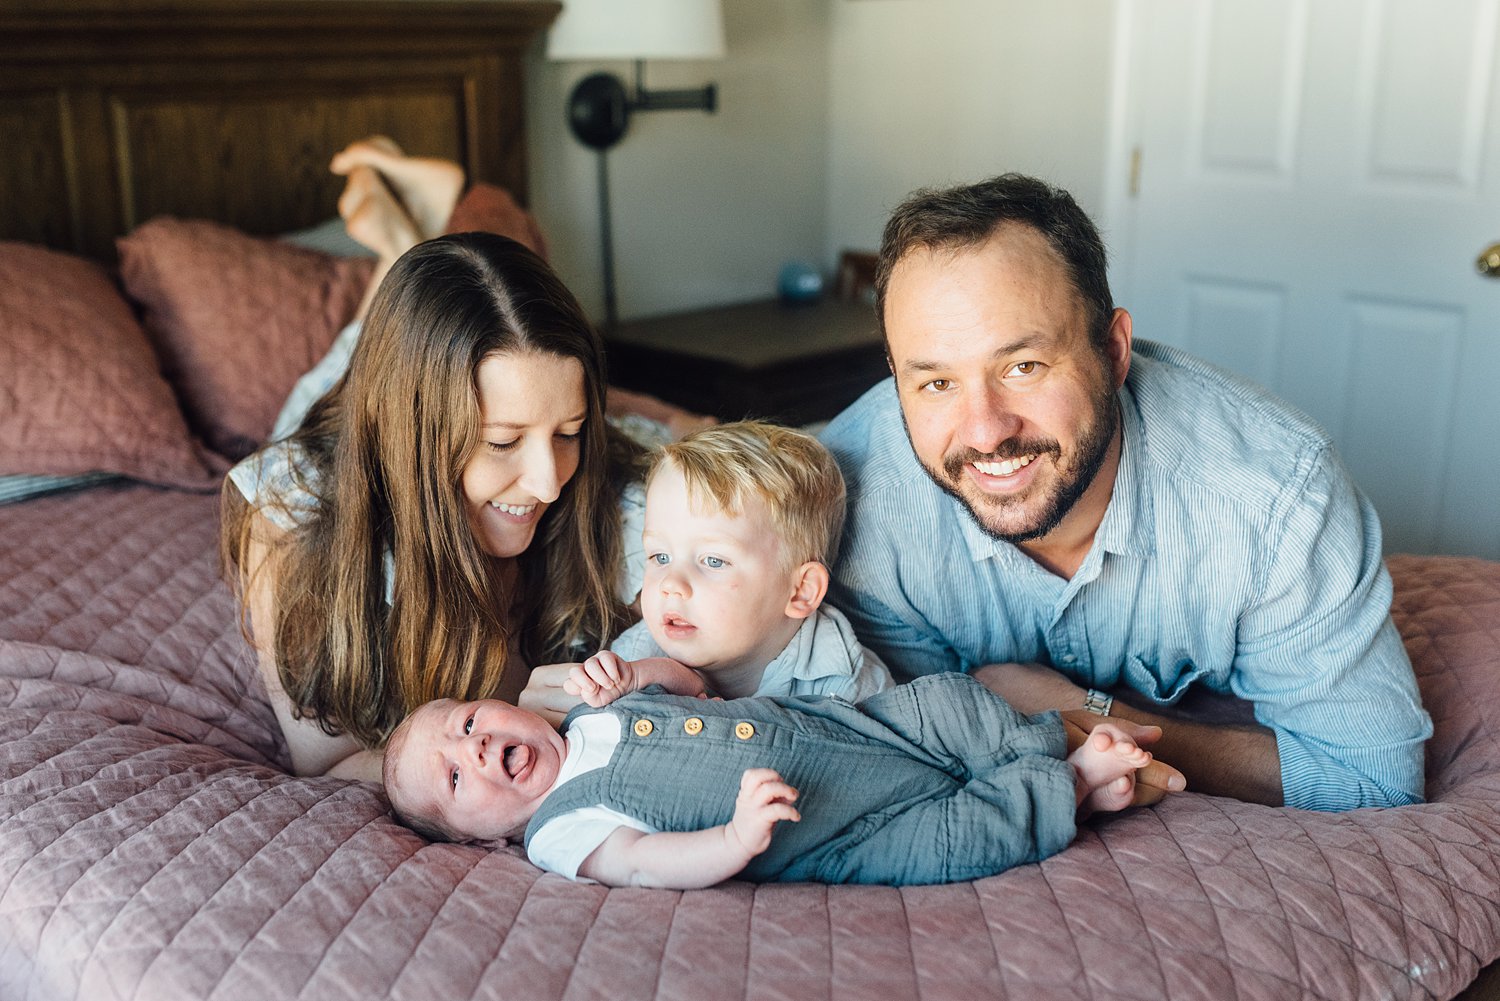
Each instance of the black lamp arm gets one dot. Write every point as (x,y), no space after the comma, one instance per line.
(704,98)
(599,108)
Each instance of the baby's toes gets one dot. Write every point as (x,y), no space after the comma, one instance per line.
(1112,796)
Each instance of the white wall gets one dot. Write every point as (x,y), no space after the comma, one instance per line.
(931,92)
(706,207)
(830,112)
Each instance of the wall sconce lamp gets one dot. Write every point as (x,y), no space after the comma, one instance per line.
(599,107)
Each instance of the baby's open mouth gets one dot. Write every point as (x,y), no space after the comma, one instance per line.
(516,758)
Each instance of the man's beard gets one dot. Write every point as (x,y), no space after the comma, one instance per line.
(1072,479)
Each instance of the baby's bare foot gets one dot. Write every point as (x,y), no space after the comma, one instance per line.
(427,187)
(374,217)
(1110,797)
(1106,763)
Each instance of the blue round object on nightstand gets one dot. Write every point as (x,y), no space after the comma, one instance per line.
(799,282)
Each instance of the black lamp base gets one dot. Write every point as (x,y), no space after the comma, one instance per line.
(599,113)
(599,110)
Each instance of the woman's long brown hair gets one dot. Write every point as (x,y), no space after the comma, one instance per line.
(384,454)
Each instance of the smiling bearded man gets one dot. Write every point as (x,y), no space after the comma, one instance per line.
(1101,515)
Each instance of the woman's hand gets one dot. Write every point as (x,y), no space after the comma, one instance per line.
(545,695)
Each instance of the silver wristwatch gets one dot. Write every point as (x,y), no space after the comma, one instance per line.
(1098,702)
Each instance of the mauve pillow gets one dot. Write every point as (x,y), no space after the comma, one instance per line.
(80,388)
(236,319)
(491,209)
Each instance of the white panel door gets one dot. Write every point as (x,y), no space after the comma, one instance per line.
(1314,181)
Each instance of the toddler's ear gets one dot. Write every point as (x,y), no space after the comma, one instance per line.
(810,584)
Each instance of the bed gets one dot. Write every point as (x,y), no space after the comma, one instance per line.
(154,846)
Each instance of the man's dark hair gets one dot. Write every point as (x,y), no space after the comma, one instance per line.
(966,215)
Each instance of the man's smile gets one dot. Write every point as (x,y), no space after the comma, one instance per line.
(1004,467)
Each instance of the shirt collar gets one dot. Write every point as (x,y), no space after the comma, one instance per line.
(1127,526)
(798,661)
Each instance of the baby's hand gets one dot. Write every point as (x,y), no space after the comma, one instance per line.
(763,800)
(675,677)
(601,679)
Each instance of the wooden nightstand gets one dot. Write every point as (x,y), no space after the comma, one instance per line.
(789,363)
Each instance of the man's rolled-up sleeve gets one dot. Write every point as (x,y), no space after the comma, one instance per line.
(1321,660)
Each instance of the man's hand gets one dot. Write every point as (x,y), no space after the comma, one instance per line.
(1032,688)
(763,800)
(1222,759)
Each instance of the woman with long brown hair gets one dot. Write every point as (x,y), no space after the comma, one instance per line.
(447,515)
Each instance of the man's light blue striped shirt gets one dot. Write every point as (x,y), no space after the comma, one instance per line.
(1236,553)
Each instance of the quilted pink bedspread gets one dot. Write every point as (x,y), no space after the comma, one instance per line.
(152,847)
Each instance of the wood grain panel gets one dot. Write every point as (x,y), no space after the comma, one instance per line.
(245,139)
(230,109)
(33,171)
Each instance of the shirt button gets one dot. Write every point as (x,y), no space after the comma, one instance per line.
(1069,659)
(643,728)
(744,731)
(693,725)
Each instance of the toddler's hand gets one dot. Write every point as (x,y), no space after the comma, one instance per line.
(601,679)
(763,800)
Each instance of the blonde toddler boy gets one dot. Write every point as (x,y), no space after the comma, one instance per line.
(742,523)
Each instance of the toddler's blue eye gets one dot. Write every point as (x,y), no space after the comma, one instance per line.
(714,562)
(660,559)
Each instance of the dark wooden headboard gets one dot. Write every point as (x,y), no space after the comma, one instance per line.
(114,112)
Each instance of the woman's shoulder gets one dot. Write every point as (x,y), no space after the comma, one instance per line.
(277,482)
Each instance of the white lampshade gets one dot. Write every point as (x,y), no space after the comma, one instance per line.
(637,29)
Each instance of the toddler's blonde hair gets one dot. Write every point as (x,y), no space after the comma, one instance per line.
(790,471)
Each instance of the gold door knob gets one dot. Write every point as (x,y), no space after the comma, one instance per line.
(1489,261)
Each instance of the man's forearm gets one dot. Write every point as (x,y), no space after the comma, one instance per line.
(1220,759)
(1224,760)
